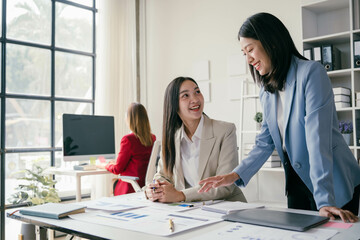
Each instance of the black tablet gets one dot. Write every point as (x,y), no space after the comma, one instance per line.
(278,219)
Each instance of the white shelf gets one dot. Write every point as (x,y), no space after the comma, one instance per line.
(250,96)
(333,38)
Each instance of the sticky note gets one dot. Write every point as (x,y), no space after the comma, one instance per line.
(337,225)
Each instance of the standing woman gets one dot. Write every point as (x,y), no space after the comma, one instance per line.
(300,121)
(194,147)
(135,149)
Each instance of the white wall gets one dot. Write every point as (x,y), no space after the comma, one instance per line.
(181,32)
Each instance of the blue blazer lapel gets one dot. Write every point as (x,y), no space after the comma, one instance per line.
(290,87)
(270,99)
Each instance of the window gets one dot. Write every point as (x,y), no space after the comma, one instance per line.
(47,69)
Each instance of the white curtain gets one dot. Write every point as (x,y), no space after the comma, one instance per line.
(115,71)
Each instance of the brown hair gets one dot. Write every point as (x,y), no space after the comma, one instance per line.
(139,123)
(171,122)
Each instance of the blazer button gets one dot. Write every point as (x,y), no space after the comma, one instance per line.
(297,165)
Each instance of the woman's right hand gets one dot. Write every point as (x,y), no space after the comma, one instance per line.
(154,191)
(218,181)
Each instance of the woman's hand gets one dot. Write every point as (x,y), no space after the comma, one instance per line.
(170,194)
(218,181)
(101,165)
(331,212)
(153,191)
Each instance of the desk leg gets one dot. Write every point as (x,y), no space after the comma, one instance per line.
(50,234)
(78,188)
(38,234)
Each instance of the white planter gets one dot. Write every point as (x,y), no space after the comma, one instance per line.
(347,137)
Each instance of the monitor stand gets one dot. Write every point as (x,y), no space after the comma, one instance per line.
(85,167)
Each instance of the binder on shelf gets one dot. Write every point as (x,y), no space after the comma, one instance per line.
(308,54)
(331,57)
(357,54)
(357,121)
(317,54)
(356,12)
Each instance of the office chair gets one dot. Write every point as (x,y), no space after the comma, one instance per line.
(151,169)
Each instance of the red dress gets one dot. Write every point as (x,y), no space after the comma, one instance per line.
(132,160)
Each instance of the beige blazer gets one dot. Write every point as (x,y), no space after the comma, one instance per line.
(218,155)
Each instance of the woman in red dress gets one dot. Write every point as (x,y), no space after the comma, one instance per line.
(135,149)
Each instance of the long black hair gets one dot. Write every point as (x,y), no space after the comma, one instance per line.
(277,43)
(171,122)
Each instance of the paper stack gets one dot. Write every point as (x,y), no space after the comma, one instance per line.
(341,97)
(273,161)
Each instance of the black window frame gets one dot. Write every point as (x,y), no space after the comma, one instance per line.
(52,98)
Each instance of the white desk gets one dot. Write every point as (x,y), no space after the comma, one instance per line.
(77,174)
(96,231)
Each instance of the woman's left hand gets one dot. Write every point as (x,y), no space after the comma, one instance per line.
(101,165)
(170,194)
(331,212)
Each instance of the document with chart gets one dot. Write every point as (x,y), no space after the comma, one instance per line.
(147,220)
(237,231)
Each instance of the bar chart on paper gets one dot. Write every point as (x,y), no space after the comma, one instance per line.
(237,231)
(146,220)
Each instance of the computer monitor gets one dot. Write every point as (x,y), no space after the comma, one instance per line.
(87,137)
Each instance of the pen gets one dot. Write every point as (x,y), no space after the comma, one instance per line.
(171,225)
(154,188)
(186,205)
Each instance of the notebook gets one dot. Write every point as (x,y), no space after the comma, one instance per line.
(277,219)
(53,210)
(229,207)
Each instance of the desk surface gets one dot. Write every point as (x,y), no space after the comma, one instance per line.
(71,172)
(96,231)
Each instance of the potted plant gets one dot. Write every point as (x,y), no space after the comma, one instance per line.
(35,188)
(258,119)
(38,188)
(346,128)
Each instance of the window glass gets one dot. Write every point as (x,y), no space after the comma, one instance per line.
(73,28)
(29,20)
(88,3)
(73,75)
(27,70)
(68,107)
(15,165)
(27,123)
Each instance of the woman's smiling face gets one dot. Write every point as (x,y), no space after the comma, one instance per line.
(191,101)
(256,55)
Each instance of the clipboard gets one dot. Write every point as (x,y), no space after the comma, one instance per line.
(277,219)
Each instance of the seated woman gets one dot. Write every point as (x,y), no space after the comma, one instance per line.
(194,147)
(135,150)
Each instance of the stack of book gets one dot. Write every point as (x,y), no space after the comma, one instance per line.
(341,97)
(273,161)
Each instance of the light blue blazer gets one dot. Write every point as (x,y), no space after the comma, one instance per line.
(316,149)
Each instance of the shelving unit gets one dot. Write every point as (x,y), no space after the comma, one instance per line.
(337,22)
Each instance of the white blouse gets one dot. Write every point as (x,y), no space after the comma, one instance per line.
(189,154)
